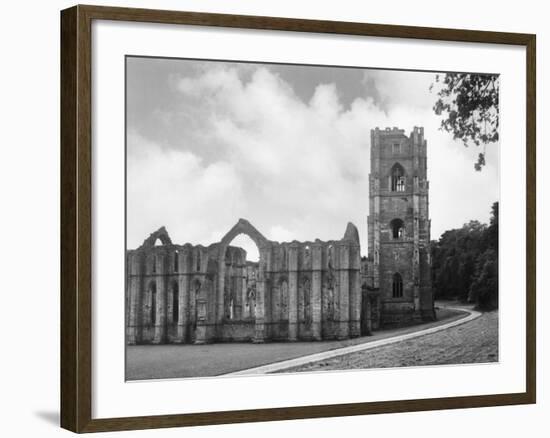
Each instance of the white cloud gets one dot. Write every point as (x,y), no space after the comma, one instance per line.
(296,170)
(174,188)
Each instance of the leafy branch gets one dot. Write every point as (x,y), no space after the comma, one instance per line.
(469,104)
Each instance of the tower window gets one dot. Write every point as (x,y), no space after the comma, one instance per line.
(154,270)
(176,261)
(397,285)
(400,184)
(397,178)
(396,149)
(198,261)
(397,229)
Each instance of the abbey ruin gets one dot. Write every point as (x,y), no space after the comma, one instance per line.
(308,291)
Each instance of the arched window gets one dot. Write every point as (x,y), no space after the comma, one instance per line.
(175,302)
(153,290)
(176,261)
(397,285)
(154,267)
(330,257)
(397,178)
(397,229)
(198,261)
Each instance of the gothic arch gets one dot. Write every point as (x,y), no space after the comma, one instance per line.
(241,227)
(244,227)
(397,178)
(397,285)
(160,234)
(398,168)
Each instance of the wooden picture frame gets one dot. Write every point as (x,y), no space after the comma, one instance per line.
(76,217)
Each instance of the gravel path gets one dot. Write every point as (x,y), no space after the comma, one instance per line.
(473,342)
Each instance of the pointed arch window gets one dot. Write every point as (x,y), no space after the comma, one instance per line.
(397,285)
(397,229)
(397,178)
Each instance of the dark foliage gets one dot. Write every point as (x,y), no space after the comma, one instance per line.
(470,110)
(465,263)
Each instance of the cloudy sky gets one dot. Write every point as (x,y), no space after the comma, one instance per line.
(284,146)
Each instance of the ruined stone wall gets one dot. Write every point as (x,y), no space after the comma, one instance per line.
(298,290)
(168,288)
(197,294)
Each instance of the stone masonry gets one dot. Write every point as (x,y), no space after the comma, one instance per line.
(298,290)
(198,294)
(398,267)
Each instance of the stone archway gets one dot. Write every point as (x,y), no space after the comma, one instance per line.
(161,234)
(246,228)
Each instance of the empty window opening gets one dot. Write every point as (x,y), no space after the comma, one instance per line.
(244,241)
(397,178)
(397,229)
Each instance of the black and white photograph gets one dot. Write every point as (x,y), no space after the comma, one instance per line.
(287,218)
(275,218)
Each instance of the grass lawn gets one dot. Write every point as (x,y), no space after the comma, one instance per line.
(178,361)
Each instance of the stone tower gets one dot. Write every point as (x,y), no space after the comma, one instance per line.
(399,225)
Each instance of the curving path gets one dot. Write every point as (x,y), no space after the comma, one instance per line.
(292,363)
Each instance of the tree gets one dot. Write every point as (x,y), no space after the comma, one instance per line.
(465,263)
(469,104)
(484,287)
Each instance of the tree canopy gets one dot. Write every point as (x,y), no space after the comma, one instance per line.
(465,263)
(469,104)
